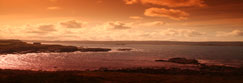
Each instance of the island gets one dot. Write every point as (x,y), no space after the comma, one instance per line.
(180,61)
(20,47)
(124,49)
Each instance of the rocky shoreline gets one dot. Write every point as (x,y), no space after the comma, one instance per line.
(20,47)
(204,67)
(180,61)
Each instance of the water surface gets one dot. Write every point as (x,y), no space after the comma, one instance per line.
(142,55)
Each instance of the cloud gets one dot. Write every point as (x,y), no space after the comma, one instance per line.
(73,24)
(155,23)
(118,25)
(168,13)
(182,33)
(47,28)
(41,29)
(130,1)
(136,17)
(112,30)
(173,34)
(234,33)
(54,8)
(170,3)
(237,33)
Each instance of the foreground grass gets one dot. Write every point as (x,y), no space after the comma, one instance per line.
(16,76)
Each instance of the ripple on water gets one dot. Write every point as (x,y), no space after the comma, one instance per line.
(141,56)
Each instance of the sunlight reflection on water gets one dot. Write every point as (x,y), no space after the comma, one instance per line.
(144,56)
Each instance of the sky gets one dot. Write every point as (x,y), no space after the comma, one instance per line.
(122,20)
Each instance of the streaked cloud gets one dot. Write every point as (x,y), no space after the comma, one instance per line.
(136,17)
(41,29)
(154,23)
(234,33)
(182,32)
(173,14)
(174,34)
(118,25)
(47,28)
(54,8)
(170,3)
(73,24)
(131,1)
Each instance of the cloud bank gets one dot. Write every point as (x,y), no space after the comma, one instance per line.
(234,33)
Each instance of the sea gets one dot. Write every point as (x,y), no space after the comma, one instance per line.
(141,56)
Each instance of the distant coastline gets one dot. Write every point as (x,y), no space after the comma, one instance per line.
(20,47)
(192,43)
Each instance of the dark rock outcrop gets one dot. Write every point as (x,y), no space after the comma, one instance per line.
(216,68)
(180,61)
(124,49)
(161,61)
(94,49)
(183,61)
(19,47)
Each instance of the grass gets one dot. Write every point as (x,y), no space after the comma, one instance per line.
(18,76)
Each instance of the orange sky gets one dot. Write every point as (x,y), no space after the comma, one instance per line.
(180,20)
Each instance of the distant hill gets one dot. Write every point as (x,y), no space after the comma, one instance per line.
(10,42)
(20,47)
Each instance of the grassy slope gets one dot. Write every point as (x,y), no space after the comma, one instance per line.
(12,76)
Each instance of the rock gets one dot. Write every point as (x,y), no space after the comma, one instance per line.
(59,48)
(216,68)
(124,49)
(161,61)
(121,44)
(180,61)
(94,49)
(183,61)
(36,43)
